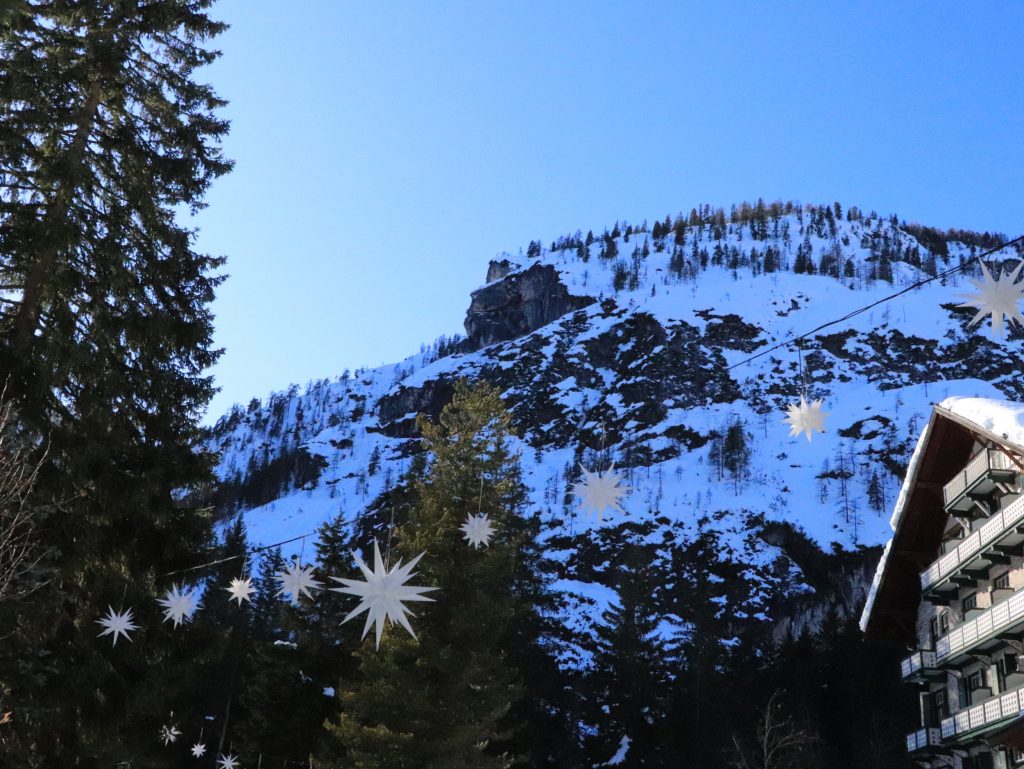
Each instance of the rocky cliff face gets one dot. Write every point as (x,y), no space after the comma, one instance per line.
(636,349)
(516,304)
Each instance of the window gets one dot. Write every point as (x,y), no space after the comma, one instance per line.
(1002,582)
(976,680)
(939,707)
(971,602)
(1016,757)
(944,623)
(1006,665)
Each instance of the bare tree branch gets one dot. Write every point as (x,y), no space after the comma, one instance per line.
(778,742)
(19,550)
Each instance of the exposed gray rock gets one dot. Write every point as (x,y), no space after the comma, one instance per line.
(397,410)
(517,304)
(498,269)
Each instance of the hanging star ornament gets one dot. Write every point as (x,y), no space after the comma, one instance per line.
(169,734)
(179,605)
(478,530)
(198,750)
(598,492)
(997,297)
(383,592)
(240,590)
(117,624)
(295,581)
(804,417)
(227,762)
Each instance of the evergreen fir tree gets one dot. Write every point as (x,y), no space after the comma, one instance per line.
(449,697)
(105,137)
(629,684)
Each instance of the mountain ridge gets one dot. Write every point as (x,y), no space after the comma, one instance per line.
(629,348)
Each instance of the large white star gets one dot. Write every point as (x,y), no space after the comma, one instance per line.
(597,492)
(295,581)
(998,298)
(118,624)
(478,530)
(198,750)
(804,417)
(383,592)
(179,605)
(227,762)
(240,590)
(169,734)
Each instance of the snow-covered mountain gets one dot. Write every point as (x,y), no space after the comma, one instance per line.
(647,347)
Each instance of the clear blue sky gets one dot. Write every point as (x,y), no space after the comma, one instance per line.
(386,151)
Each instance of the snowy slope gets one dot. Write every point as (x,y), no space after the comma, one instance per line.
(648,376)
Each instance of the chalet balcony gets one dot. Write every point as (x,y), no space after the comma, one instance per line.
(1001,536)
(991,711)
(982,476)
(920,666)
(984,630)
(923,739)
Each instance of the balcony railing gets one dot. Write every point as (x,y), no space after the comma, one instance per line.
(968,634)
(923,738)
(985,462)
(988,712)
(917,663)
(998,526)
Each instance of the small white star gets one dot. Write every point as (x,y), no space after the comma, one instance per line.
(478,530)
(383,592)
(169,734)
(804,417)
(228,762)
(598,492)
(240,590)
(179,605)
(118,624)
(198,750)
(998,298)
(296,580)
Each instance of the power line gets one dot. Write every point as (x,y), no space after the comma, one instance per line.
(959,268)
(251,550)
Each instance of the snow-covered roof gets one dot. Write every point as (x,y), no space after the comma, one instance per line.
(1003,419)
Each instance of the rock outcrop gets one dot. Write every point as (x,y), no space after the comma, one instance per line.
(517,304)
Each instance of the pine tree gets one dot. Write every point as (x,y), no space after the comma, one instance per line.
(736,453)
(628,686)
(708,593)
(266,604)
(281,707)
(876,492)
(105,137)
(449,697)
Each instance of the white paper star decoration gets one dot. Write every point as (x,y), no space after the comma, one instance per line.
(598,492)
(240,590)
(804,417)
(198,750)
(227,762)
(117,624)
(296,580)
(179,605)
(998,298)
(383,592)
(169,734)
(478,530)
